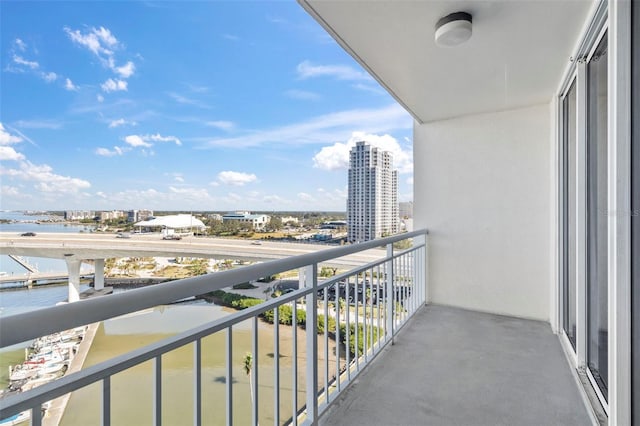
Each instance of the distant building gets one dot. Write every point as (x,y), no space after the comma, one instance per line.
(215,216)
(372,203)
(405,210)
(289,219)
(138,215)
(79,214)
(334,224)
(257,221)
(184,224)
(112,215)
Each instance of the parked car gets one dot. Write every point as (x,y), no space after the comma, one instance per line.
(172,237)
(28,234)
(123,235)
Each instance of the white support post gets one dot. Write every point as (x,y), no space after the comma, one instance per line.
(309,275)
(73,267)
(98,276)
(389,292)
(581,217)
(619,205)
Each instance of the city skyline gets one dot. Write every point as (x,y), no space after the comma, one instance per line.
(239,106)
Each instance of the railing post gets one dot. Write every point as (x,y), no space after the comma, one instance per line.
(420,268)
(310,280)
(389,292)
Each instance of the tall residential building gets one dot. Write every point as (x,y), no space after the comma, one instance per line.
(372,204)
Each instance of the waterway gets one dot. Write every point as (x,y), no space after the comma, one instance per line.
(26,223)
(132,390)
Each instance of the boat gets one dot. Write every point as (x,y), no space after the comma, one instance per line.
(21,372)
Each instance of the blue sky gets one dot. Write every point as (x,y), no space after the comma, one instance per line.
(183,105)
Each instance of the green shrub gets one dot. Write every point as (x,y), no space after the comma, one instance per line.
(245,303)
(331,324)
(244,286)
(373,333)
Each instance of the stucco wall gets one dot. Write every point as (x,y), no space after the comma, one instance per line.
(482,187)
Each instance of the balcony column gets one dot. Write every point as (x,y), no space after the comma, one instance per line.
(73,267)
(308,278)
(98,275)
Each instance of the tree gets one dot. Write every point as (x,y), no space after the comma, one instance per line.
(248,366)
(275,224)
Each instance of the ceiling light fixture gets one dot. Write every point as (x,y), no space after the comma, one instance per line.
(453,29)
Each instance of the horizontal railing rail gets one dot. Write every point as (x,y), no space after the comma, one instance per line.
(387,292)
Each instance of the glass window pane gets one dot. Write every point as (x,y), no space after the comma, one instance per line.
(569,214)
(597,215)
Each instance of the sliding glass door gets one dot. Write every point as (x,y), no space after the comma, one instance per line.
(635,212)
(569,110)
(597,217)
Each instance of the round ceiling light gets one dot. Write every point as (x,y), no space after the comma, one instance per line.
(453,29)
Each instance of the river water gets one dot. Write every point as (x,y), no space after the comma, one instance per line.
(132,390)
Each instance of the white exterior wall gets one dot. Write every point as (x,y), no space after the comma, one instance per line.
(483,190)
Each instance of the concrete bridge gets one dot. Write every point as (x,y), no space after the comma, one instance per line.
(76,248)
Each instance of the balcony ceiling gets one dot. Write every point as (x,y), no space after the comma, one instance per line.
(516,56)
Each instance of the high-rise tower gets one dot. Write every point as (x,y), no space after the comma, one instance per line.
(372,203)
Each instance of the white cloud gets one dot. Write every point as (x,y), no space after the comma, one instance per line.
(410,180)
(187,101)
(45,179)
(10,191)
(112,85)
(341,72)
(68,84)
(10,154)
(20,45)
(196,194)
(221,124)
(336,156)
(236,178)
(302,95)
(100,98)
(126,70)
(21,61)
(121,122)
(329,127)
(38,124)
(100,41)
(49,76)
(136,141)
(158,138)
(6,138)
(146,141)
(230,37)
(369,88)
(105,152)
(306,197)
(275,199)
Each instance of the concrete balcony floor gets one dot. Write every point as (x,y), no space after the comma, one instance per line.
(455,367)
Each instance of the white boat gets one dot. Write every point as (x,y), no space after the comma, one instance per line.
(21,372)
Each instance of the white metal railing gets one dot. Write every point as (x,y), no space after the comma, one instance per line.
(359,311)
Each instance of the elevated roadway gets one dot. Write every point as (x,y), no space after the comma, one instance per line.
(76,248)
(91,246)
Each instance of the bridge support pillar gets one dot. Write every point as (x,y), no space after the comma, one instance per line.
(98,276)
(73,267)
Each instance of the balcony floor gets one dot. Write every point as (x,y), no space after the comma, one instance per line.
(455,367)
